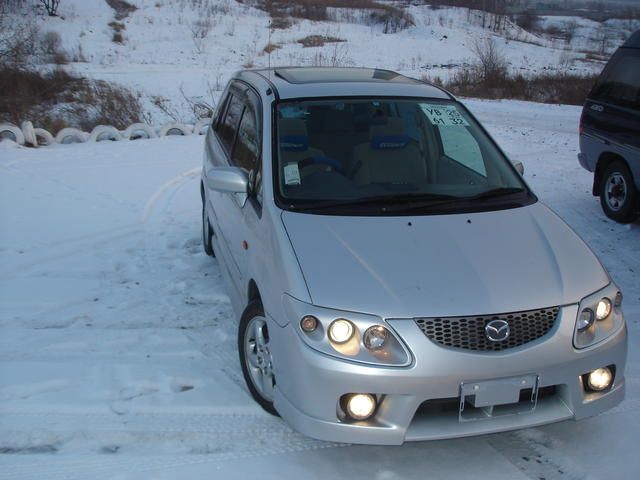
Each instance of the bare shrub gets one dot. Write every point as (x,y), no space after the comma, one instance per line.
(60,58)
(200,30)
(51,6)
(270,48)
(58,99)
(117,37)
(559,87)
(18,42)
(318,40)
(122,7)
(570,31)
(392,19)
(280,23)
(528,20)
(108,104)
(117,26)
(51,42)
(490,60)
(77,54)
(337,57)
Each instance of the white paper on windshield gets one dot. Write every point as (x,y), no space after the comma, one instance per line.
(443,115)
(291,174)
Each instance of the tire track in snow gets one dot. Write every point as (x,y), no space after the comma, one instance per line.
(532,452)
(108,440)
(107,236)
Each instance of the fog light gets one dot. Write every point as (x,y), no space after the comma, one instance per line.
(375,337)
(600,379)
(361,406)
(309,323)
(340,330)
(585,320)
(603,309)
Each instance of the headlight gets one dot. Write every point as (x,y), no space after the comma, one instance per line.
(598,317)
(585,320)
(603,309)
(351,336)
(340,330)
(375,337)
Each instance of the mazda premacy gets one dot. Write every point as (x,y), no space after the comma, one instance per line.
(394,276)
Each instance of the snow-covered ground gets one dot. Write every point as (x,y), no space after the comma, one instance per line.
(117,341)
(160,59)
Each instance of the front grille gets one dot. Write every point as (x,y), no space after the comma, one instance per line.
(469,332)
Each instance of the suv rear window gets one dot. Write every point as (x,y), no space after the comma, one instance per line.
(620,80)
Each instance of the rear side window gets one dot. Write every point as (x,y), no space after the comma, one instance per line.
(229,125)
(620,80)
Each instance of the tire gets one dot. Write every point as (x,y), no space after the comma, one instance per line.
(618,194)
(252,319)
(207,234)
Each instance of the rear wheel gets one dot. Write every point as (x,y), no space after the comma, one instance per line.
(618,195)
(207,234)
(255,356)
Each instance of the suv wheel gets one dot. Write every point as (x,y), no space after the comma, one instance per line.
(255,356)
(207,234)
(618,195)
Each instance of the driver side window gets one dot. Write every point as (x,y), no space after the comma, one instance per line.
(246,150)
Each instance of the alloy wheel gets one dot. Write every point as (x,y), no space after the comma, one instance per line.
(615,191)
(258,357)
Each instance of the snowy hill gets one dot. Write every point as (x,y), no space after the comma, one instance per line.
(181,51)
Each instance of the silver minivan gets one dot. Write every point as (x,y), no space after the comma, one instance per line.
(394,276)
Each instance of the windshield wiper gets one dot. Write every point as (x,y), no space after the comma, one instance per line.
(495,192)
(450,199)
(377,200)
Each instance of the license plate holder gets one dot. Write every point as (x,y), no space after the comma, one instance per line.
(492,398)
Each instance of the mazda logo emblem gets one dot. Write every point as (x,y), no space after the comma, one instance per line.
(497,330)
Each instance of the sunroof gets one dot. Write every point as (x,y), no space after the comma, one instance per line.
(322,75)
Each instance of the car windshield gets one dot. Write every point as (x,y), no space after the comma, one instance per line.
(377,156)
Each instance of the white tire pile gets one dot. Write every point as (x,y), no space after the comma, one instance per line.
(26,134)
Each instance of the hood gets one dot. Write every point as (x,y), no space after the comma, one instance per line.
(443,265)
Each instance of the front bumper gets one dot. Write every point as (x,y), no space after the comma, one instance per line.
(309,385)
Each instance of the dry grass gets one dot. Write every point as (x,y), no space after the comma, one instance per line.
(318,40)
(122,8)
(270,48)
(557,88)
(58,99)
(117,26)
(117,38)
(391,17)
(280,23)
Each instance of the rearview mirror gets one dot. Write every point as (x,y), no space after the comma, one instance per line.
(519,167)
(227,179)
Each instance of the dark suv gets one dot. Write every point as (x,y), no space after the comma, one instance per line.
(610,134)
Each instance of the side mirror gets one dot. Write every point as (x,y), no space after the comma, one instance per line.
(227,179)
(519,167)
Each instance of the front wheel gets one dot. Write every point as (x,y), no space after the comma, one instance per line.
(618,195)
(255,356)
(207,234)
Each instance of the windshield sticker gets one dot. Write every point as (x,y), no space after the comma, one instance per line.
(443,115)
(291,174)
